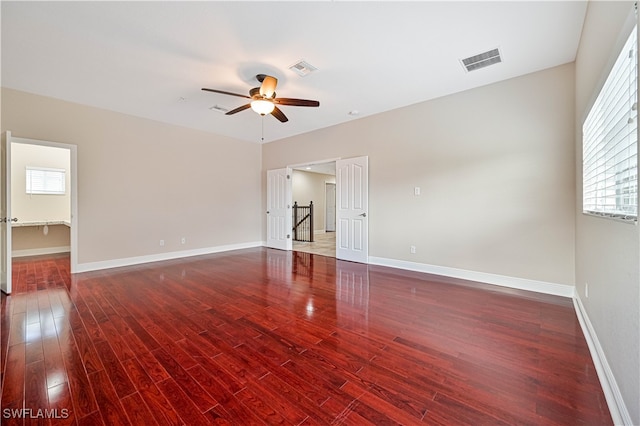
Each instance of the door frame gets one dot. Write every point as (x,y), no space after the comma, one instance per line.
(6,282)
(331,160)
(326,206)
(73,170)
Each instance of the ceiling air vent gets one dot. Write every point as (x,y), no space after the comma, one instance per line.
(302,68)
(219,109)
(482,60)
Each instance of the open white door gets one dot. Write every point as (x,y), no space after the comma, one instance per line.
(279,209)
(5,214)
(352,204)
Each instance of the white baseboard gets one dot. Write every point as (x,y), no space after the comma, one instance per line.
(129,261)
(483,277)
(619,412)
(40,251)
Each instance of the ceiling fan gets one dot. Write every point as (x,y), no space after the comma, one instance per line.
(264,100)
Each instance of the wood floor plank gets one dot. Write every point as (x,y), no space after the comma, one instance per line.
(84,402)
(35,392)
(13,384)
(151,395)
(192,388)
(60,401)
(182,404)
(258,336)
(109,404)
(137,411)
(117,375)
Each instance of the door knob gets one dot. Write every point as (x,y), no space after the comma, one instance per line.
(363,215)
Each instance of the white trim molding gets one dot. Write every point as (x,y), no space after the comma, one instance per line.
(563,290)
(40,251)
(138,260)
(618,409)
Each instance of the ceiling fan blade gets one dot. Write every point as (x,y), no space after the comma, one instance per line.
(277,113)
(225,93)
(268,86)
(296,102)
(240,108)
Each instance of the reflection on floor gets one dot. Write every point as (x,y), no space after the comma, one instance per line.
(324,244)
(262,336)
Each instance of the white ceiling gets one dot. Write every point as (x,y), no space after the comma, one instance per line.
(325,168)
(150,59)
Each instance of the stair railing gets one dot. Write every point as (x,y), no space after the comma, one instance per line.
(303,222)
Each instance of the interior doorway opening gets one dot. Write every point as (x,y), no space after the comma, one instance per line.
(352,204)
(39,203)
(315,183)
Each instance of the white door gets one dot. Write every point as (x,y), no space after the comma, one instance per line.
(352,204)
(279,209)
(5,214)
(330,216)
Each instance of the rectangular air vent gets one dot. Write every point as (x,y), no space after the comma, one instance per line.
(302,68)
(219,109)
(482,60)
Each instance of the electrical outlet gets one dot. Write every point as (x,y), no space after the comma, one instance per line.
(416,190)
(412,249)
(183,240)
(161,243)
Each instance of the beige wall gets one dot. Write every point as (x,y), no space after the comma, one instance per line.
(31,240)
(307,186)
(141,181)
(607,252)
(496,171)
(38,207)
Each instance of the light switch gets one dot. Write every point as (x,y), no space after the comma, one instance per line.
(416,190)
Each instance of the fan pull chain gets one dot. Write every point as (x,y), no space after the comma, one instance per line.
(262,119)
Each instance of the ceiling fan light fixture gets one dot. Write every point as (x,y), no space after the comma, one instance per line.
(262,107)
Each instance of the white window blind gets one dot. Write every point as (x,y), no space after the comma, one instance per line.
(610,142)
(45,181)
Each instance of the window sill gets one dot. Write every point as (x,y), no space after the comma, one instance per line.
(627,220)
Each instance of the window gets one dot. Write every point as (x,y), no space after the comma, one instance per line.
(610,142)
(45,181)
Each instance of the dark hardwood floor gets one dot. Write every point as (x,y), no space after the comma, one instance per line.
(263,336)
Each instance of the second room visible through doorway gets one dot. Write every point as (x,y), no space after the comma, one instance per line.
(315,183)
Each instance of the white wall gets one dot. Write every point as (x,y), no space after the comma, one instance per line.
(308,186)
(140,181)
(496,169)
(39,207)
(607,252)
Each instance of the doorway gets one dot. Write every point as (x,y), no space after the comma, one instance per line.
(39,197)
(309,187)
(352,204)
